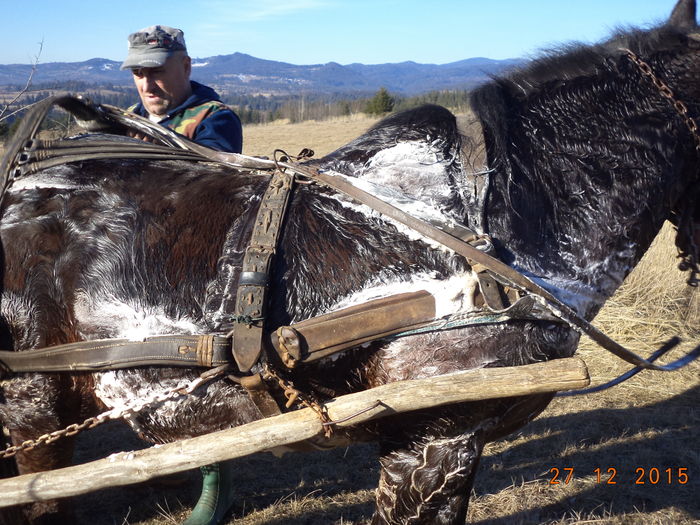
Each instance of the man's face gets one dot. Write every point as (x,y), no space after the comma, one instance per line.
(164,88)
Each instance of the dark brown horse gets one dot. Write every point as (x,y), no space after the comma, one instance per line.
(587,159)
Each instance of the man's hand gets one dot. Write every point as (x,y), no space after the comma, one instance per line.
(138,135)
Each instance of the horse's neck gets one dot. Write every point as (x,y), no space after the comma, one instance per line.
(577,197)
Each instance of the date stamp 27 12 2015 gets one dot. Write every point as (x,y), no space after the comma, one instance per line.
(613,475)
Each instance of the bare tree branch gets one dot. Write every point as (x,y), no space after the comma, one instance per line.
(4,110)
(18,110)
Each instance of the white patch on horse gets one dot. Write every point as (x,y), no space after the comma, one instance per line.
(401,200)
(414,168)
(59,177)
(118,391)
(573,289)
(410,233)
(110,317)
(128,321)
(412,176)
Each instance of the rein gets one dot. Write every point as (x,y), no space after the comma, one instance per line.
(501,271)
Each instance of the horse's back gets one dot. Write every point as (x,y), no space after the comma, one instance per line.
(416,153)
(146,234)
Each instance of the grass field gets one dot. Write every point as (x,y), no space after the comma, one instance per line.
(648,425)
(322,137)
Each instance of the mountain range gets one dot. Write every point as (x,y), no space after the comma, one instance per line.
(246,74)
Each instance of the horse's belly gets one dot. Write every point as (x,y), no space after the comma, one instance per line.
(215,406)
(477,346)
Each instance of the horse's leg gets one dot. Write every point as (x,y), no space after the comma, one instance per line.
(36,405)
(45,457)
(427,481)
(8,469)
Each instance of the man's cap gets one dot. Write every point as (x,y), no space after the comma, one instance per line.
(151,46)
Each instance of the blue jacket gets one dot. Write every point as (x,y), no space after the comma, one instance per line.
(204,119)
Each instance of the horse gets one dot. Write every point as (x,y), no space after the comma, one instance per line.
(587,155)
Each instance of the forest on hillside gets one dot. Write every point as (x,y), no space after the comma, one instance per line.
(252,109)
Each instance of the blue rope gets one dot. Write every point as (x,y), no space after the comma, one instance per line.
(675,365)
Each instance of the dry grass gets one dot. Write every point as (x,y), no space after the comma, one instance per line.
(652,420)
(323,137)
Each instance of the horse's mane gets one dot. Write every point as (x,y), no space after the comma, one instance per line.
(547,104)
(568,66)
(575,59)
(566,63)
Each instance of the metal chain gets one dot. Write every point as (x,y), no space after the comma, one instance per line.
(92,422)
(294,395)
(689,259)
(667,92)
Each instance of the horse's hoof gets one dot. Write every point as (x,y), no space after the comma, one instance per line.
(216,497)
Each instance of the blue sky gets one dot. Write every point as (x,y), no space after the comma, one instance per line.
(319,31)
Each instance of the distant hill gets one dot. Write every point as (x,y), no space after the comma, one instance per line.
(245,74)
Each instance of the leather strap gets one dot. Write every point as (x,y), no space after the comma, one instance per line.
(38,155)
(260,395)
(204,351)
(251,296)
(315,338)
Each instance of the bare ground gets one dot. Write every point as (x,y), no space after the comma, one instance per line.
(627,435)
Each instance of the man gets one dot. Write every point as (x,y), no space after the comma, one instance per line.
(161,67)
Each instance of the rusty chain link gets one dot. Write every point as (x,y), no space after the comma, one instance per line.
(689,259)
(92,422)
(294,395)
(667,92)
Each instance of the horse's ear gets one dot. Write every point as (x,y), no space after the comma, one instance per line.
(683,15)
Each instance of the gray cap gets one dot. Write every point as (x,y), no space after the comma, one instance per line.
(151,46)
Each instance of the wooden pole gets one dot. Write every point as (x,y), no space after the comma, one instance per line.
(126,468)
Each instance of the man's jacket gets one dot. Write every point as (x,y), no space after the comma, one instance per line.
(204,119)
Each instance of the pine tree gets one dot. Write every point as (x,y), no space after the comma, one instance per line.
(380,103)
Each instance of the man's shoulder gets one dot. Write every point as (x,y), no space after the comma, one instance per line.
(211,123)
(207,107)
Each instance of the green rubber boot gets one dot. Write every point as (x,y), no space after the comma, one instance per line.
(216,497)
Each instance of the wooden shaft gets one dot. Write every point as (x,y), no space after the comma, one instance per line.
(125,468)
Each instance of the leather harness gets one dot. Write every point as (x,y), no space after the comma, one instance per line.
(505,293)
